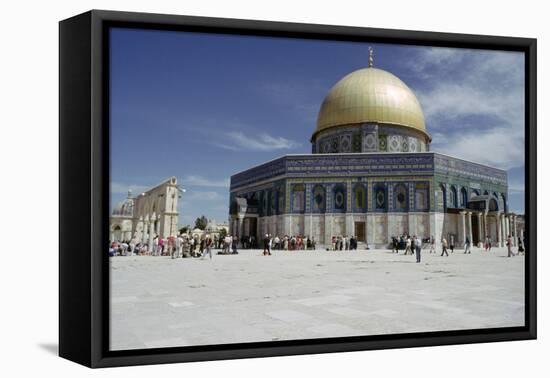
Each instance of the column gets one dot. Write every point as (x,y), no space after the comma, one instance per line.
(485,226)
(515,231)
(462,229)
(470,233)
(507,225)
(479,233)
(499,229)
(240,227)
(503,223)
(143,232)
(151,230)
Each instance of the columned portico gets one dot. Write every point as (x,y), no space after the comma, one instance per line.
(481,235)
(151,231)
(462,229)
(470,236)
(515,231)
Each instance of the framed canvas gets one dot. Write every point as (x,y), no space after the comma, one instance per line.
(234,188)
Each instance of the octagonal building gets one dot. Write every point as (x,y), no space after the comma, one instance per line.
(371,174)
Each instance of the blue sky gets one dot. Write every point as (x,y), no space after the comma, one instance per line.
(202,107)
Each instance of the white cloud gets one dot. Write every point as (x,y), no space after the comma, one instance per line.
(194,180)
(462,87)
(202,196)
(239,141)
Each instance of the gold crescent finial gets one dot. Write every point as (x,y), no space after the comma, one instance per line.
(371,59)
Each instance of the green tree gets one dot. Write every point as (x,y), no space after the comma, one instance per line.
(184,229)
(223,233)
(201,222)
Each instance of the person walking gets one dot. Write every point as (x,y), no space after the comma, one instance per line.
(207,247)
(185,246)
(234,242)
(227,244)
(521,249)
(267,252)
(408,245)
(432,244)
(394,245)
(418,247)
(467,245)
(452,245)
(509,245)
(176,252)
(444,247)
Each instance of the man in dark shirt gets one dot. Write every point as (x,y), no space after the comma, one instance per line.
(266,245)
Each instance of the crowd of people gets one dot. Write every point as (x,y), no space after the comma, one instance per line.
(414,245)
(186,246)
(181,246)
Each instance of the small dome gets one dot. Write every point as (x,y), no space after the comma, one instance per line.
(370,95)
(124,208)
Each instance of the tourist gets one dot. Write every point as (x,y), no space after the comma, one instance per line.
(408,245)
(267,241)
(418,247)
(207,247)
(452,246)
(333,243)
(186,246)
(444,247)
(235,241)
(467,245)
(192,246)
(346,243)
(313,242)
(176,251)
(155,245)
(227,244)
(521,249)
(277,242)
(394,245)
(432,244)
(161,247)
(509,245)
(201,246)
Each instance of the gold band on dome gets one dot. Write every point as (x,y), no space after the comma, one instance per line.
(371,95)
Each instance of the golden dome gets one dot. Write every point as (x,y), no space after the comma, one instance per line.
(371,95)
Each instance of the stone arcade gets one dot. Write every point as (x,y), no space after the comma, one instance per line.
(371,174)
(153,212)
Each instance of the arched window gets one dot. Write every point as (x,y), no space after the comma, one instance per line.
(339,198)
(504,205)
(454,197)
(421,197)
(463,197)
(359,197)
(493,204)
(441,197)
(280,201)
(272,202)
(298,198)
(474,193)
(379,198)
(319,199)
(400,198)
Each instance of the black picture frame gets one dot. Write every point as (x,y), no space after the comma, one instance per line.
(84,188)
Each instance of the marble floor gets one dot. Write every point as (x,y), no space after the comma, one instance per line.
(160,302)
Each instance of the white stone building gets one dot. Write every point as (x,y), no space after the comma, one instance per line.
(150,213)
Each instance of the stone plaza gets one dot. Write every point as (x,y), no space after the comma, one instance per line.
(160,302)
